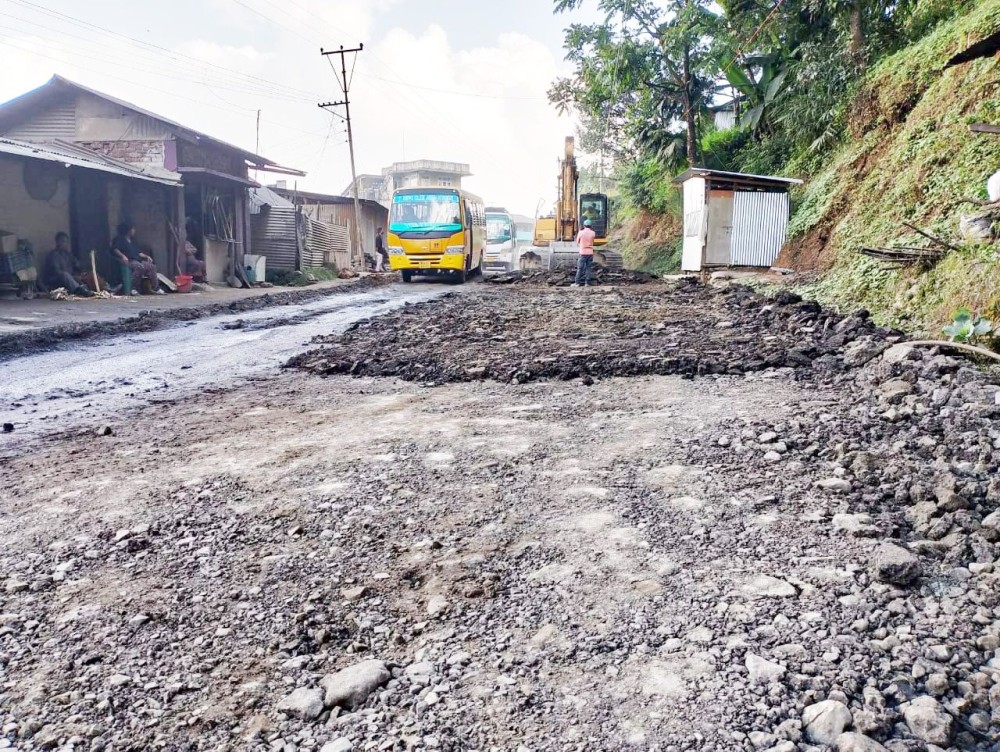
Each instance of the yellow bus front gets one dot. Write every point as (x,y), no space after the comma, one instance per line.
(427,232)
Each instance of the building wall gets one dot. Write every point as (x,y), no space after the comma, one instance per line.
(212,158)
(428,179)
(343,214)
(28,218)
(146,205)
(148,153)
(98,119)
(58,122)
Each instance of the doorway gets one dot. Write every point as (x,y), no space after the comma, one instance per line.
(89,227)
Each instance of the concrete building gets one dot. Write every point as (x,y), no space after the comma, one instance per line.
(371,188)
(425,173)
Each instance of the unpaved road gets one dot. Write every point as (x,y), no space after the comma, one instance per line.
(100,379)
(647,563)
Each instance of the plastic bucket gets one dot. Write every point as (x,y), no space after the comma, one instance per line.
(183,282)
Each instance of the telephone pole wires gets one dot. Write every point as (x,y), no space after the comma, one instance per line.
(357,252)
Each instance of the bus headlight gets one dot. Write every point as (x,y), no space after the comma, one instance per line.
(396,250)
(456,250)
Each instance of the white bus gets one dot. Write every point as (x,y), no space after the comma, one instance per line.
(501,240)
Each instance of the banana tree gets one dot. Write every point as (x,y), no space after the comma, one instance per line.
(761,81)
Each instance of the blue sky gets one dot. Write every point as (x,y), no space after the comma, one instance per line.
(439,79)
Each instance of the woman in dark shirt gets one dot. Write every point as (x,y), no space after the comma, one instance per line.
(126,250)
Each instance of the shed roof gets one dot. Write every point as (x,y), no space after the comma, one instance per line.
(73,155)
(323,198)
(262,196)
(735,177)
(17,110)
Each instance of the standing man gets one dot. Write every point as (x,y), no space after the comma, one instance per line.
(586,242)
(381,255)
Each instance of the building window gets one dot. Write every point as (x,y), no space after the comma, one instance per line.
(445,182)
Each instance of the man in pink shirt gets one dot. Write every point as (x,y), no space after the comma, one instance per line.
(586,242)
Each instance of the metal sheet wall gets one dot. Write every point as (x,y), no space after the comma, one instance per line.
(319,245)
(273,235)
(760,221)
(59,122)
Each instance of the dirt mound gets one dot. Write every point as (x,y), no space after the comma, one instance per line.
(523,334)
(565,276)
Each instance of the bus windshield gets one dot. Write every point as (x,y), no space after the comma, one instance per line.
(498,228)
(425,212)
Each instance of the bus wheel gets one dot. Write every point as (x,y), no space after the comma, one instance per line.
(407,275)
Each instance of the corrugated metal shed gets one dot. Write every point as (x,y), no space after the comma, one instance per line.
(733,219)
(326,244)
(262,196)
(272,234)
(760,221)
(72,155)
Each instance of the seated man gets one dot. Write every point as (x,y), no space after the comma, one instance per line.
(140,264)
(191,264)
(60,266)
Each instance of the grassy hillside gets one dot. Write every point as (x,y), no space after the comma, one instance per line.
(910,157)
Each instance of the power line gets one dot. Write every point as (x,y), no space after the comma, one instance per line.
(150,67)
(146,85)
(170,54)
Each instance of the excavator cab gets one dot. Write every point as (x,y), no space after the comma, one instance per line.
(594,206)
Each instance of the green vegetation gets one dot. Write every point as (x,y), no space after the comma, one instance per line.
(969,327)
(852,95)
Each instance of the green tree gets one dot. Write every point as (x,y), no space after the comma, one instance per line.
(648,66)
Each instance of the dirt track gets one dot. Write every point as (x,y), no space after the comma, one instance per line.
(648,563)
(23,343)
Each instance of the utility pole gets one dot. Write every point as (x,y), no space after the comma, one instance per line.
(257,152)
(357,252)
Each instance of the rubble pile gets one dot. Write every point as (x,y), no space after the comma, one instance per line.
(566,276)
(527,334)
(904,653)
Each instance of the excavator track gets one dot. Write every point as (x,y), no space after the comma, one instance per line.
(566,254)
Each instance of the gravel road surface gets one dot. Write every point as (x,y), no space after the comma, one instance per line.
(792,548)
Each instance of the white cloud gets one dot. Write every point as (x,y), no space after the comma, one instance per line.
(413,86)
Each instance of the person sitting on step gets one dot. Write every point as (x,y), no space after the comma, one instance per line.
(61,267)
(139,263)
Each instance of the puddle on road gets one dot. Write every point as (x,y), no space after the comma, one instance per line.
(88,382)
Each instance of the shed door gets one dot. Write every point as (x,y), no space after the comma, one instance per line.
(694,225)
(720,228)
(760,222)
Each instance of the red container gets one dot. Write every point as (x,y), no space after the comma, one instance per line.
(183,282)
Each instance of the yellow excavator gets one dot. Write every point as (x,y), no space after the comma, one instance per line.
(558,232)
